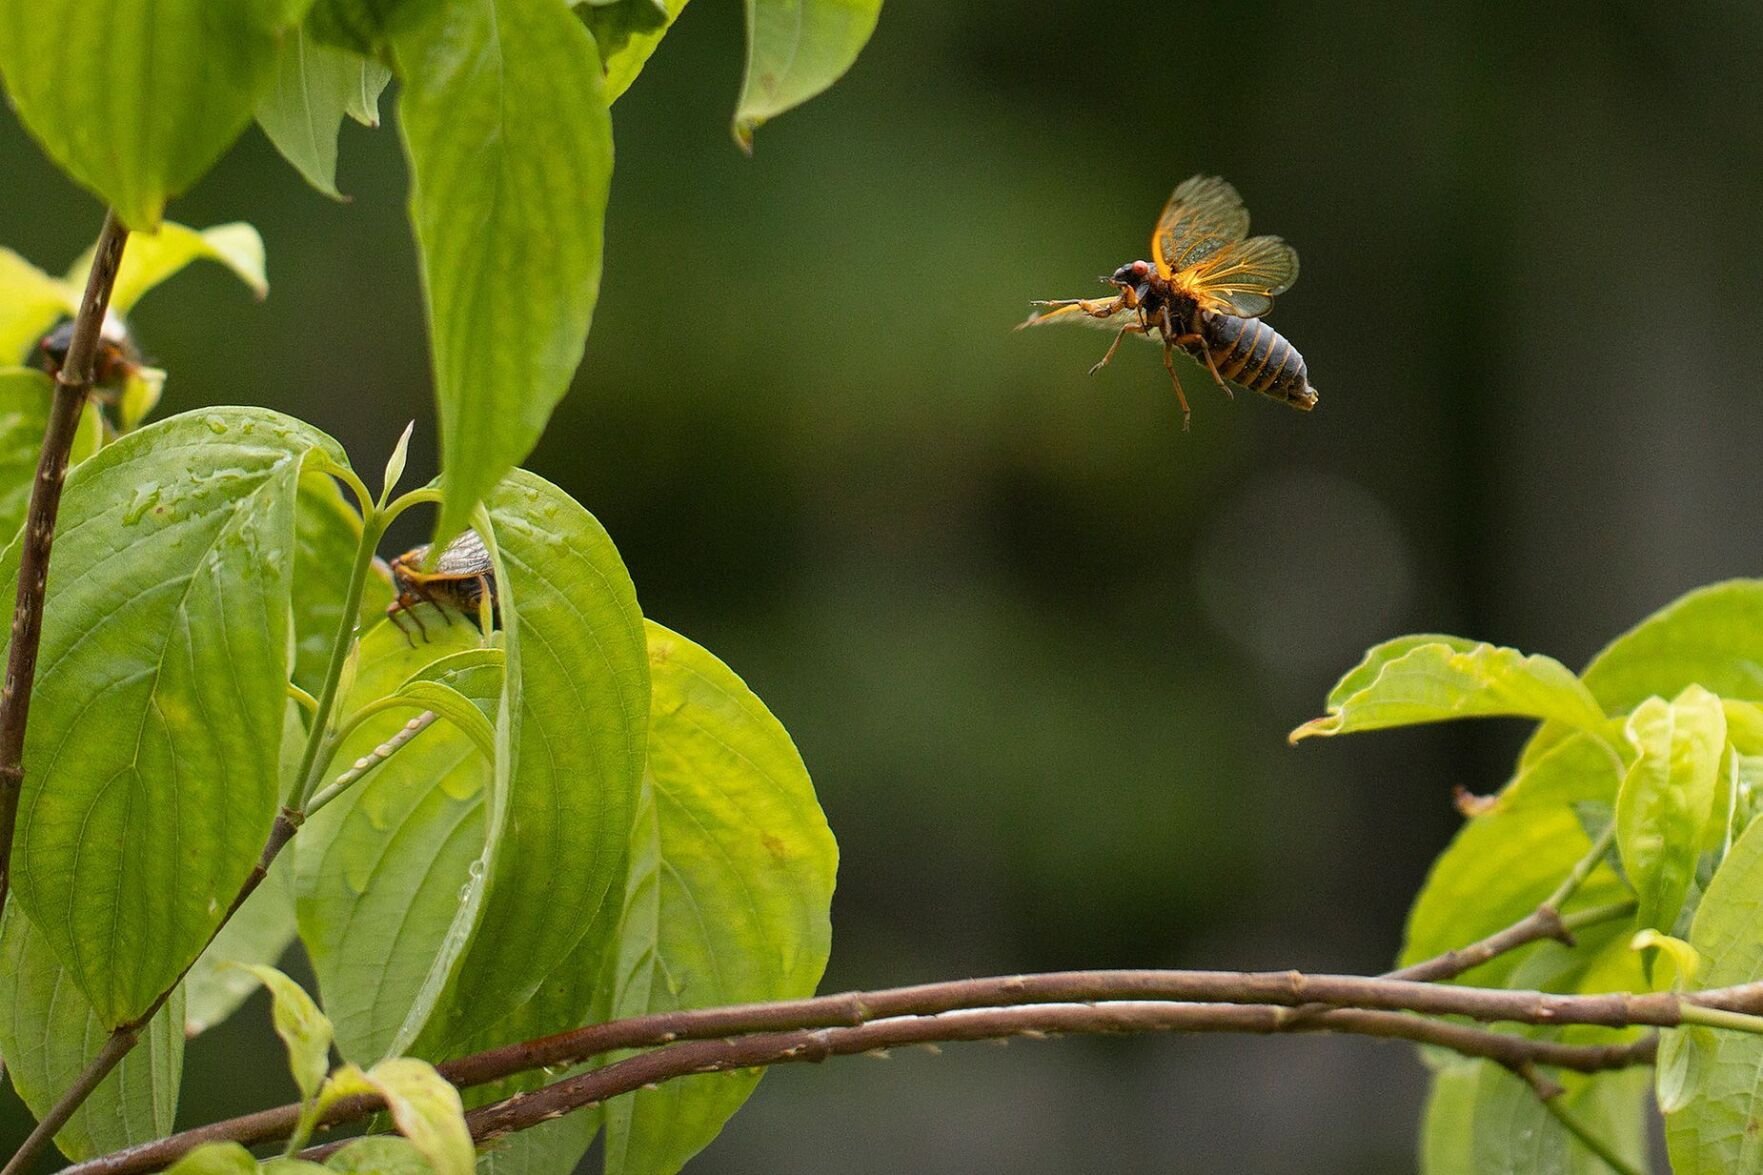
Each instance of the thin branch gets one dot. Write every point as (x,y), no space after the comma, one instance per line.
(1546,921)
(72,385)
(710,1056)
(123,1037)
(949,1008)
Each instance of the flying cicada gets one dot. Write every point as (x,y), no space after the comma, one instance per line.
(463,580)
(1205,292)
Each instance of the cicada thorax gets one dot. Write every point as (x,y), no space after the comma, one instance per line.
(1251,354)
(462,580)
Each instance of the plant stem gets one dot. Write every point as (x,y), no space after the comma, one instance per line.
(72,385)
(372,526)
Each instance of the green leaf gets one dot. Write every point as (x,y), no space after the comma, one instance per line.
(216,1158)
(1498,869)
(425,1107)
(48,1033)
(259,933)
(545,1149)
(1715,1088)
(150,258)
(302,1027)
(1667,799)
(24,414)
(158,712)
(1447,1130)
(796,49)
(316,86)
(448,703)
(503,113)
(394,471)
(732,869)
(380,869)
(584,688)
(30,303)
(628,34)
(380,1155)
(161,88)
(1402,683)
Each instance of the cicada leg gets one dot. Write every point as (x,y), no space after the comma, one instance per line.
(1094,308)
(1205,354)
(1169,366)
(400,608)
(1132,328)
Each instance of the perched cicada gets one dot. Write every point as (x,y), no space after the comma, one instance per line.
(462,580)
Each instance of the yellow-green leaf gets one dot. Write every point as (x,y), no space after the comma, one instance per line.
(30,302)
(1667,798)
(150,258)
(216,1158)
(1403,682)
(303,1028)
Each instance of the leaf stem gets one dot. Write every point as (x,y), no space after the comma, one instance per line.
(1721,1018)
(73,383)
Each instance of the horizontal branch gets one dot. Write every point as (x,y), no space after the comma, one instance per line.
(814,1045)
(1190,1001)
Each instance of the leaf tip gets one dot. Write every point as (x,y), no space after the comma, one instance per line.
(1329,724)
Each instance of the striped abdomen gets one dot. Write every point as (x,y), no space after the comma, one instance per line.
(1253,355)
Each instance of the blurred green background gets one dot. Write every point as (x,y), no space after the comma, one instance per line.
(1040,649)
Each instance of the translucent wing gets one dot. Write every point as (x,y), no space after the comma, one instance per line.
(1242,278)
(1204,215)
(1116,318)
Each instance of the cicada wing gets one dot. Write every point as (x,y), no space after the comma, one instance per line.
(1242,278)
(1203,215)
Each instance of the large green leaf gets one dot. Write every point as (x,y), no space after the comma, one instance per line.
(503,112)
(152,758)
(316,86)
(1414,680)
(380,869)
(48,1032)
(24,414)
(135,99)
(796,49)
(732,869)
(584,687)
(1667,799)
(1714,1128)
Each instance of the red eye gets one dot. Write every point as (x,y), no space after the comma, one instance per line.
(1140,268)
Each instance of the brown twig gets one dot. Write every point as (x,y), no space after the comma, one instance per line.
(813,1045)
(73,382)
(1236,1002)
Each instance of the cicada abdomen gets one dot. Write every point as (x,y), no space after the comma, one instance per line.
(1251,354)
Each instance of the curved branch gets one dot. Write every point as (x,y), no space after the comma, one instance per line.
(814,1045)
